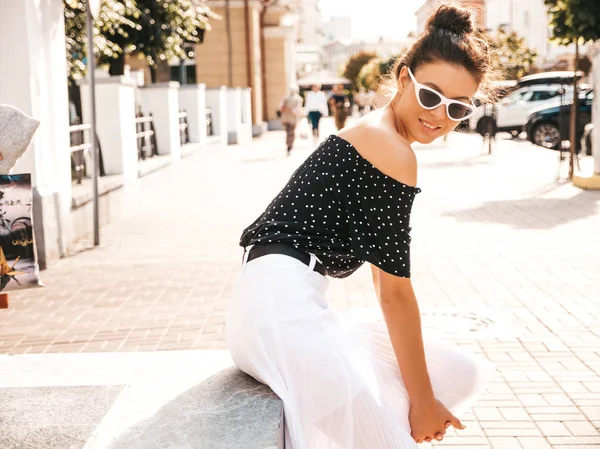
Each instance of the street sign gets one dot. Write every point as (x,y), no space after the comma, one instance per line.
(94,7)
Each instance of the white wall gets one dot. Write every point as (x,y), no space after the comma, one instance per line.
(33,78)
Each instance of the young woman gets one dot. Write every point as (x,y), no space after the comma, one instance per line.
(316,107)
(371,385)
(339,105)
(291,112)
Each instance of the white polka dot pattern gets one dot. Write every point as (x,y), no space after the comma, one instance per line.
(341,208)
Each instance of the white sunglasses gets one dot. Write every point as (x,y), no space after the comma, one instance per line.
(429,99)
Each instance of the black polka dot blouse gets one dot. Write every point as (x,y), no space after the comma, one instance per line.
(341,208)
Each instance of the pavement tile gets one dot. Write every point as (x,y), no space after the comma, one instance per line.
(493,241)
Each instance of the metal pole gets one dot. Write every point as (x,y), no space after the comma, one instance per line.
(573,118)
(91,67)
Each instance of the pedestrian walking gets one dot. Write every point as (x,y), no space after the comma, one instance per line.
(361,99)
(362,384)
(291,113)
(316,107)
(340,106)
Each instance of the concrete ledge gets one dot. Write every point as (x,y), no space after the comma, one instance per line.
(259,129)
(143,400)
(190,148)
(589,182)
(152,164)
(213,140)
(83,193)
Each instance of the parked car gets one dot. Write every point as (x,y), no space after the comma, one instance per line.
(558,77)
(586,139)
(512,111)
(545,124)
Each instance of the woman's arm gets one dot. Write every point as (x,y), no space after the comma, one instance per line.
(403,319)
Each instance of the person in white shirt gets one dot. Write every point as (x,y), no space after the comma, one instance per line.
(316,107)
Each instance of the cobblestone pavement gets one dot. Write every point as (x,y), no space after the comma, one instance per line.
(505,262)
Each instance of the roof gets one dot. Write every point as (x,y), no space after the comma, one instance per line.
(545,75)
(322,77)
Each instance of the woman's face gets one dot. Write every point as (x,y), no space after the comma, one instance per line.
(453,81)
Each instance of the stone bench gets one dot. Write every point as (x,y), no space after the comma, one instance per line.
(230,410)
(145,400)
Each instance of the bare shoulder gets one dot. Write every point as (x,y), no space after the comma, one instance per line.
(389,152)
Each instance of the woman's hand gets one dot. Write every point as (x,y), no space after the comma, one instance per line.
(430,422)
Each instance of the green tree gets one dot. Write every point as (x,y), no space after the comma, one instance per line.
(161,31)
(511,54)
(113,19)
(369,76)
(374,72)
(355,65)
(158,29)
(574,22)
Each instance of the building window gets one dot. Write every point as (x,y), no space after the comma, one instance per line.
(185,74)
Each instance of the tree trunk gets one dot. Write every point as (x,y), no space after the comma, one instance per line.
(117,66)
(153,74)
(574,111)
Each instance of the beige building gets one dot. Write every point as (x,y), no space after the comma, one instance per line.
(252,46)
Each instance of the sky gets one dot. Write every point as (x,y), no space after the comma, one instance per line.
(374,18)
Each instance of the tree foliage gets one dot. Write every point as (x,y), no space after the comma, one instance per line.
(158,29)
(164,27)
(574,19)
(355,65)
(373,73)
(511,55)
(113,19)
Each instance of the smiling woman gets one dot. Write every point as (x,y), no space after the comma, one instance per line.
(373,384)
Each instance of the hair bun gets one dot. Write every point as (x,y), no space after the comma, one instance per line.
(455,19)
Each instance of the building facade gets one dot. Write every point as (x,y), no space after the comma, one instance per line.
(529,19)
(251,46)
(336,54)
(310,38)
(338,28)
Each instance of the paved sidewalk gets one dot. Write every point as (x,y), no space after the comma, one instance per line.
(505,262)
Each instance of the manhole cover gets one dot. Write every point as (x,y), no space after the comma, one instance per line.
(455,322)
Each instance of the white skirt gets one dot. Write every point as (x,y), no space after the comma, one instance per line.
(338,379)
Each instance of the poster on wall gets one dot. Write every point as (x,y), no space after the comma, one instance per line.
(18,265)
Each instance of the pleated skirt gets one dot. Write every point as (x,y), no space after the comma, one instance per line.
(338,378)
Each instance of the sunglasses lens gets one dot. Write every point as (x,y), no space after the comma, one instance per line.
(429,99)
(458,111)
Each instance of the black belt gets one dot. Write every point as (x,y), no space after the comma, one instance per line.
(263,249)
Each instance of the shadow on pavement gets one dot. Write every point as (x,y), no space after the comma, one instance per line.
(532,213)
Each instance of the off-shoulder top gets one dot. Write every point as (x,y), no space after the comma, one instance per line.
(341,208)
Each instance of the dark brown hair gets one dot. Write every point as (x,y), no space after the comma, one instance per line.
(450,37)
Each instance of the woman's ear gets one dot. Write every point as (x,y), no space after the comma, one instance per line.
(402,79)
